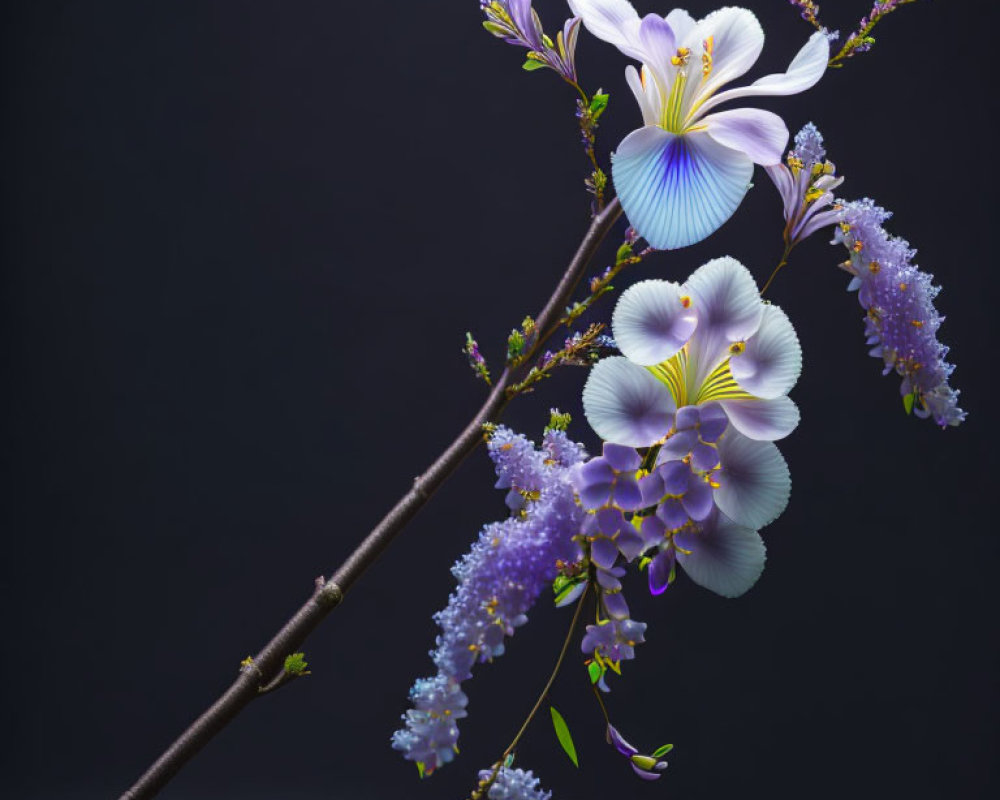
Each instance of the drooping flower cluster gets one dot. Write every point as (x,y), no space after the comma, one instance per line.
(702,385)
(514,784)
(498,581)
(517,23)
(806,187)
(901,322)
(684,173)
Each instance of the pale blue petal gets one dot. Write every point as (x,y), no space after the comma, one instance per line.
(763,420)
(625,404)
(651,322)
(772,361)
(678,190)
(754,482)
(724,557)
(760,134)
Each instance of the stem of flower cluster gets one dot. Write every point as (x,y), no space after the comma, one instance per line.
(264,668)
(777,269)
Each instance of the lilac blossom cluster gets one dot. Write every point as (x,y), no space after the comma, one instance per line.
(514,784)
(517,23)
(499,580)
(901,323)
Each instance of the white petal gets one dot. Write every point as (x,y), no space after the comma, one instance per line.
(651,322)
(772,361)
(737,40)
(803,73)
(785,183)
(646,94)
(763,420)
(681,23)
(725,557)
(625,404)
(677,190)
(725,296)
(754,478)
(614,21)
(758,133)
(656,40)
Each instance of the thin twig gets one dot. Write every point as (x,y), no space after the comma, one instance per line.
(266,666)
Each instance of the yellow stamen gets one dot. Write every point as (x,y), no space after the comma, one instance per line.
(706,57)
(682,57)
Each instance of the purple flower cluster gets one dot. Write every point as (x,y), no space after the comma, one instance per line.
(514,784)
(498,581)
(517,23)
(901,322)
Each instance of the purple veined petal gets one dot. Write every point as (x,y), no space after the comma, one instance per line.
(814,223)
(676,476)
(677,190)
(687,417)
(729,309)
(614,21)
(656,39)
(762,135)
(573,596)
(659,571)
(615,605)
(625,404)
(521,13)
(672,513)
(677,446)
(631,544)
(754,481)
(704,457)
(725,558)
(621,459)
(610,521)
(652,531)
(763,420)
(771,361)
(651,322)
(651,489)
(627,494)
(607,581)
(619,743)
(698,501)
(604,553)
(783,180)
(804,72)
(645,774)
(737,43)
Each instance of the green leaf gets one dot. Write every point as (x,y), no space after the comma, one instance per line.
(562,734)
(296,664)
(908,401)
(625,251)
(595,671)
(564,592)
(420,768)
(531,65)
(659,752)
(509,761)
(598,103)
(496,30)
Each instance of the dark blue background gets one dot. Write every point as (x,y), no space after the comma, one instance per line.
(242,243)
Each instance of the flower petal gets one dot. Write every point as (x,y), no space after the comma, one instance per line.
(621,459)
(737,40)
(646,94)
(660,569)
(625,404)
(803,73)
(681,22)
(656,39)
(677,190)
(614,21)
(771,363)
(754,481)
(651,322)
(763,420)
(723,557)
(760,134)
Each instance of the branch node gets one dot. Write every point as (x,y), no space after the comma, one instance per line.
(330,595)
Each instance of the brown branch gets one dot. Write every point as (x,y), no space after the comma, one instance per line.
(266,667)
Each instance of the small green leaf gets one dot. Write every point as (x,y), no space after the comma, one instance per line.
(908,401)
(598,103)
(296,664)
(420,768)
(566,590)
(659,752)
(496,30)
(562,734)
(644,762)
(509,761)
(595,671)
(625,251)
(531,65)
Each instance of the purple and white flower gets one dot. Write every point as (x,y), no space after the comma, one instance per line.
(646,767)
(684,173)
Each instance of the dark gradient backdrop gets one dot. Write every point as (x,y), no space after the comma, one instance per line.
(242,243)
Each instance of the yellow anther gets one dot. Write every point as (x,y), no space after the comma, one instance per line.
(794,163)
(858,246)
(874,267)
(686,301)
(902,287)
(813,194)
(706,57)
(682,57)
(508,446)
(916,323)
(737,348)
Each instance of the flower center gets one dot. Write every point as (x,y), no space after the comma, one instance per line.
(678,375)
